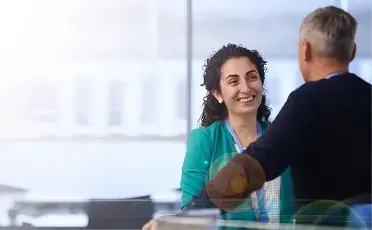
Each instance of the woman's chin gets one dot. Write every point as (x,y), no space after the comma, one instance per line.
(247,111)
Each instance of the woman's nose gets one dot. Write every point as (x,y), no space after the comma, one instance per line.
(244,87)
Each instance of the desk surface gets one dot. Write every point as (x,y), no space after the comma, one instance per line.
(193,223)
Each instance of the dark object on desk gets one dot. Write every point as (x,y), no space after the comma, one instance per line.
(130,213)
(201,201)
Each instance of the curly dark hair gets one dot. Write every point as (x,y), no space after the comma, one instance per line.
(212,110)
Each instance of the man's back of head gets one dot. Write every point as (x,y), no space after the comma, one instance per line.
(327,42)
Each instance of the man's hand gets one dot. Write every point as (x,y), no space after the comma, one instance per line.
(235,182)
(151,225)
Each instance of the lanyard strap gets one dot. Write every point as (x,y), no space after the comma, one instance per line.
(260,193)
(235,137)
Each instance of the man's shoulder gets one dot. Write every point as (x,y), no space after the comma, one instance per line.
(305,90)
(334,83)
(306,87)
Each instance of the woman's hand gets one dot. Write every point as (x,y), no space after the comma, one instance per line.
(151,225)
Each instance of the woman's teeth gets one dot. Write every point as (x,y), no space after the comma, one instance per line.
(246,99)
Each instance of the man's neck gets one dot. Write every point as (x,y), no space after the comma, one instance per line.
(245,127)
(325,67)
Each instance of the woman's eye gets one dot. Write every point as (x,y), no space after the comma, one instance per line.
(253,77)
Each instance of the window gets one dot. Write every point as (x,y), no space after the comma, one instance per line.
(172,32)
(42,101)
(148,103)
(299,80)
(228,21)
(273,90)
(181,101)
(82,101)
(362,11)
(115,103)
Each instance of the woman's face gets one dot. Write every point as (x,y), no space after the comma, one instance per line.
(241,86)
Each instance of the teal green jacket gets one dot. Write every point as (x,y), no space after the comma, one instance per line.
(208,150)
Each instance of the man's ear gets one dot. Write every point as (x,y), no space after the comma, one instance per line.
(353,54)
(307,50)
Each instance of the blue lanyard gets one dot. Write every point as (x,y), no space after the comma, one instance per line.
(260,193)
(334,75)
(235,137)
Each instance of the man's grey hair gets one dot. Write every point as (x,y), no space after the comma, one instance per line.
(330,32)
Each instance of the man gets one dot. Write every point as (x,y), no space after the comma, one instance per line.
(323,132)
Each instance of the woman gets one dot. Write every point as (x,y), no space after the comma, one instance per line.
(235,113)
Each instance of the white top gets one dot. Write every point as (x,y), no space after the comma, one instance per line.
(272,198)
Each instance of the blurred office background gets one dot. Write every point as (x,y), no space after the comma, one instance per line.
(97,96)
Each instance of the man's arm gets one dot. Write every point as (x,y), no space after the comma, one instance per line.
(263,160)
(286,137)
(229,187)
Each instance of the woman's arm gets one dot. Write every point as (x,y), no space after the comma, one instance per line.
(194,169)
(196,164)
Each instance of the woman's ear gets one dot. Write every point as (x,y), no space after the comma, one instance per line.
(218,96)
